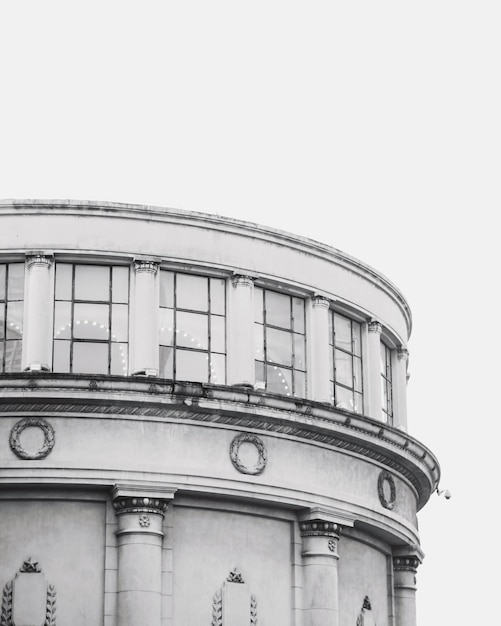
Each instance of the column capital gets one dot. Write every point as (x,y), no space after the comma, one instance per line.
(403,354)
(319,528)
(147,266)
(320,301)
(140,500)
(242,280)
(375,327)
(39,259)
(407,558)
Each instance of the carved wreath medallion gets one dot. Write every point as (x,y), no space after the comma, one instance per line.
(32,422)
(386,477)
(235,457)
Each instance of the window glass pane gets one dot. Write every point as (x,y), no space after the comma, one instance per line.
(260,375)
(382,356)
(192,366)
(258,305)
(2,321)
(298,313)
(166,327)
(2,282)
(119,359)
(344,372)
(357,367)
(342,331)
(90,358)
(299,384)
(63,281)
(259,342)
(217,295)
(166,362)
(15,320)
(92,282)
(217,369)
(299,356)
(359,404)
(344,399)
(192,292)
(91,321)
(16,281)
(217,337)
(192,330)
(279,380)
(13,350)
(120,284)
(2,346)
(278,346)
(119,322)
(357,339)
(167,289)
(278,309)
(61,356)
(62,320)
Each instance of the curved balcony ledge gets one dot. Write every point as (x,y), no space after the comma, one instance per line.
(158,399)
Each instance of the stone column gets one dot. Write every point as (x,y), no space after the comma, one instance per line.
(374,396)
(139,540)
(320,536)
(37,348)
(241,369)
(320,358)
(400,389)
(405,564)
(145,331)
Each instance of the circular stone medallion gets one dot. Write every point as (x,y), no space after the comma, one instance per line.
(31,452)
(244,463)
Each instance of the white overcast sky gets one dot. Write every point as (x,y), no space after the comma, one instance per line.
(370,126)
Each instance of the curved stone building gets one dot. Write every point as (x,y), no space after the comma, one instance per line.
(203,421)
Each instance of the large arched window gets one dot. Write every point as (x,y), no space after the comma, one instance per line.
(192,328)
(280,343)
(91,319)
(11,316)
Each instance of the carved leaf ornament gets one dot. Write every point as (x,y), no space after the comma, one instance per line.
(235,457)
(32,422)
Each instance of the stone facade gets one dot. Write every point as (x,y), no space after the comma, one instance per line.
(203,421)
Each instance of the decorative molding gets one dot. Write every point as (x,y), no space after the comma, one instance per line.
(320,528)
(218,600)
(234,453)
(366,606)
(93,385)
(41,260)
(7,617)
(406,563)
(32,422)
(375,327)
(309,432)
(386,477)
(143,505)
(320,302)
(149,267)
(235,576)
(403,354)
(242,280)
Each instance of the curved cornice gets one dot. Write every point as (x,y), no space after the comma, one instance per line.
(211,222)
(302,420)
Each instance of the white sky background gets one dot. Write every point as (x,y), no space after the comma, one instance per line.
(370,126)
